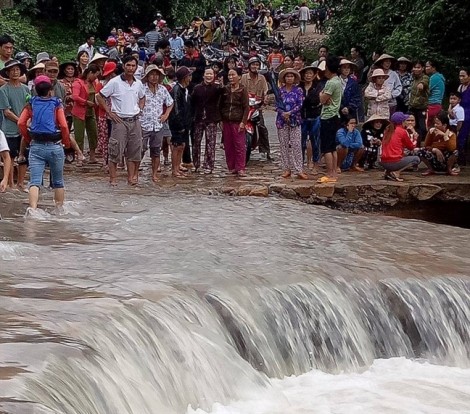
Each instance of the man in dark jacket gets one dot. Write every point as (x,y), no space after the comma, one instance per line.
(180,119)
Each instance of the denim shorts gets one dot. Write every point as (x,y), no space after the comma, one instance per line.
(51,153)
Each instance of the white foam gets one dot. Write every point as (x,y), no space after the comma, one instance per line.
(11,250)
(395,386)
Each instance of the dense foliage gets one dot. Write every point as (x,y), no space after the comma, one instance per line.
(58,39)
(414,28)
(98,16)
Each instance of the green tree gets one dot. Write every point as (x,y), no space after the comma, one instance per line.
(414,28)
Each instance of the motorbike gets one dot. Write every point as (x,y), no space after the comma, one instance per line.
(251,126)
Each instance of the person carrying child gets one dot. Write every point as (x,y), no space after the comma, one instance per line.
(47,133)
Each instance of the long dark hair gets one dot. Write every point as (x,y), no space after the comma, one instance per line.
(388,132)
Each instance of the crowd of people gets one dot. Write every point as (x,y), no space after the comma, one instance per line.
(159,94)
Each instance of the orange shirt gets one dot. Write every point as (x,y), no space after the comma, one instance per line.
(275,59)
(61,121)
(447,142)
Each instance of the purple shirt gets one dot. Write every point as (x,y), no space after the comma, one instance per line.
(292,103)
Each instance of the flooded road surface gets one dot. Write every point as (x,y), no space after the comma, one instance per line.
(139,301)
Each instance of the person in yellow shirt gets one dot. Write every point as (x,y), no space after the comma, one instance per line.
(207,33)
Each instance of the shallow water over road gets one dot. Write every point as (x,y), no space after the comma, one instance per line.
(140,302)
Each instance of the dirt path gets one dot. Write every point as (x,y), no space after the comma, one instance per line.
(308,42)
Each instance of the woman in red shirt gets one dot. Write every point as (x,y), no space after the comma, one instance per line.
(83,111)
(395,141)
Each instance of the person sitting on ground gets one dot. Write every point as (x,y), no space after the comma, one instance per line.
(378,95)
(372,135)
(440,147)
(456,112)
(349,146)
(396,139)
(6,159)
(410,126)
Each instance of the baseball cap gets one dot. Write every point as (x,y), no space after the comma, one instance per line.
(42,78)
(398,118)
(182,72)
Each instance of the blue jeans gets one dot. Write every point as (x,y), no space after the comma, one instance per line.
(51,153)
(311,129)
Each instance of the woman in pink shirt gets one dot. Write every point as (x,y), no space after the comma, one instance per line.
(394,143)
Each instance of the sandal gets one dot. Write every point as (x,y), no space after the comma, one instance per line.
(326,180)
(427,173)
(392,176)
(453,173)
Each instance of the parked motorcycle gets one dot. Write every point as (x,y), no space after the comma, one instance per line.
(251,126)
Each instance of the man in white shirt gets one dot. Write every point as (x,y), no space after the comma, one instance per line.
(127,101)
(88,46)
(5,156)
(304,17)
(153,117)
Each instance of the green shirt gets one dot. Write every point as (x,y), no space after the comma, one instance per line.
(12,98)
(335,90)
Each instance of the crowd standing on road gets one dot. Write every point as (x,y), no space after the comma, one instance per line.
(165,90)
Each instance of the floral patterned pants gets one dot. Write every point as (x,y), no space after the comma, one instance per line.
(211,136)
(290,140)
(103,138)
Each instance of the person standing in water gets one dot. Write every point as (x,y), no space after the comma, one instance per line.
(127,96)
(47,133)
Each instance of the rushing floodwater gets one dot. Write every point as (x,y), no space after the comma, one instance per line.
(169,303)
